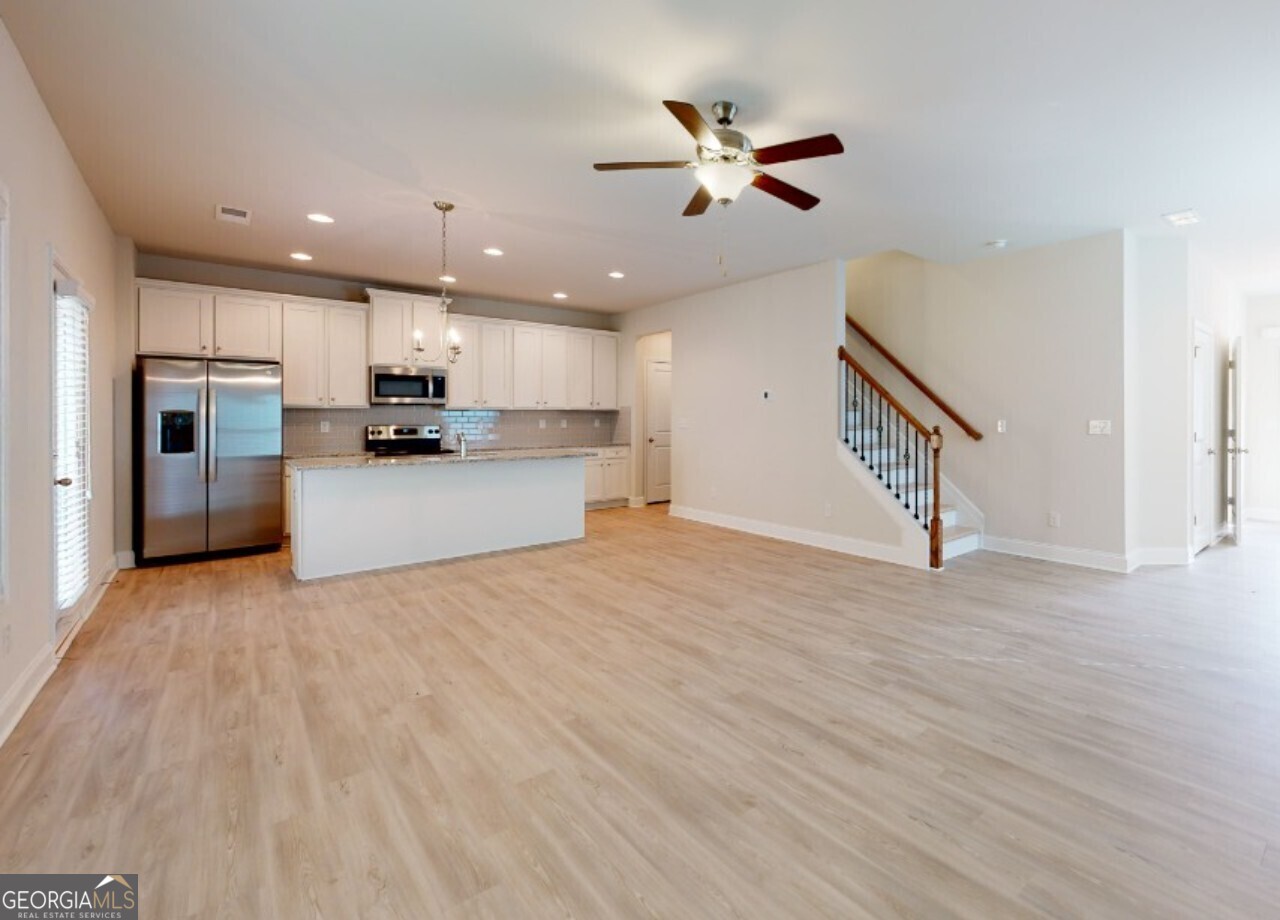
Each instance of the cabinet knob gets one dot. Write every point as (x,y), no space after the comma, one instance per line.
(204,347)
(320,399)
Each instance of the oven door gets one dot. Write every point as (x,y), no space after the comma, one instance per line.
(394,385)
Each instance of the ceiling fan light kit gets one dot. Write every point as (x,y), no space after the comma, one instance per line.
(726,161)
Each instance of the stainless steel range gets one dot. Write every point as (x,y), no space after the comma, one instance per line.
(401,440)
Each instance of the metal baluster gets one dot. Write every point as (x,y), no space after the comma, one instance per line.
(897,455)
(916,441)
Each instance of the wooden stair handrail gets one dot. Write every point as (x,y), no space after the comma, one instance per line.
(888,397)
(919,384)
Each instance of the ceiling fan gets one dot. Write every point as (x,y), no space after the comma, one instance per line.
(727,162)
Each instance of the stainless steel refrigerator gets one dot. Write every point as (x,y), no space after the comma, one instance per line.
(207,457)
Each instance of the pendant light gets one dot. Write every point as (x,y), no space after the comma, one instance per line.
(454,346)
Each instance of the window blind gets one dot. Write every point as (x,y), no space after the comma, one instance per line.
(71,449)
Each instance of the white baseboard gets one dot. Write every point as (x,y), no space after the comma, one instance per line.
(88,605)
(1160,555)
(125,560)
(636,501)
(1050,552)
(1263,515)
(22,693)
(910,556)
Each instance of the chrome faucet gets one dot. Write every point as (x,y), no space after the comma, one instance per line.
(462,444)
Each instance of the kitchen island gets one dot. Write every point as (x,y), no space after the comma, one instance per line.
(355,513)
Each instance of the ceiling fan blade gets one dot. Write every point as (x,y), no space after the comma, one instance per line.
(699,203)
(788,193)
(694,123)
(824,145)
(656,164)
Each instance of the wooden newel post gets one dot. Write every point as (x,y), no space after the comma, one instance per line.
(935,522)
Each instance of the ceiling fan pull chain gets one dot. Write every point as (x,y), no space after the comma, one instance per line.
(723,258)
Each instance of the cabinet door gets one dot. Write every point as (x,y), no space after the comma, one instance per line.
(555,367)
(175,322)
(615,478)
(495,365)
(287,499)
(389,334)
(304,356)
(246,327)
(604,371)
(347,356)
(526,368)
(579,370)
(427,333)
(594,480)
(464,375)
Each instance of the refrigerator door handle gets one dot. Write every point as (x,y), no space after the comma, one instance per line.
(202,428)
(211,455)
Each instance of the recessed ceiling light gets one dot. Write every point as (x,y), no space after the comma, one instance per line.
(318,218)
(300,256)
(616,275)
(997,244)
(559,295)
(493,251)
(448,279)
(1182,218)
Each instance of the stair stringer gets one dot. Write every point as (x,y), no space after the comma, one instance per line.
(968,514)
(913,548)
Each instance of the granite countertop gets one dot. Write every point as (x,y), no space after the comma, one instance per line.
(358,461)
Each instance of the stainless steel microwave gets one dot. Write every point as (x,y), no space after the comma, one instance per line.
(404,385)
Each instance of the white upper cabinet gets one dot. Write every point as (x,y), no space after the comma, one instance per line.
(579,370)
(247,327)
(326,364)
(188,320)
(526,367)
(347,330)
(175,322)
(604,370)
(538,368)
(464,374)
(406,329)
(305,378)
(481,377)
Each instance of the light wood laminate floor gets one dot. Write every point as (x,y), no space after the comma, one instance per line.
(667,720)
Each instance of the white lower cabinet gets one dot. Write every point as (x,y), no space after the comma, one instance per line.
(288,498)
(608,475)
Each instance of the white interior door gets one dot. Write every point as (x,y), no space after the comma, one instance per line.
(657,423)
(71,491)
(1203,451)
(1237,447)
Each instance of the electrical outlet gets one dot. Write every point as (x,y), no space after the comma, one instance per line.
(597,423)
(1100,426)
(324,427)
(1001,426)
(564,423)
(1055,519)
(826,510)
(6,639)
(542,423)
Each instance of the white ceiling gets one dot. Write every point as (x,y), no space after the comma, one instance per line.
(962,122)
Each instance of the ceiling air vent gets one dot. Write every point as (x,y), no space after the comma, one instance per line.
(233,215)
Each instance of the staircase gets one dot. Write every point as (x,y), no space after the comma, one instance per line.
(867,438)
(904,456)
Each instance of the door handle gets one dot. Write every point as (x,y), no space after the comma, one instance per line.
(64,481)
(212,458)
(651,440)
(1212,451)
(202,432)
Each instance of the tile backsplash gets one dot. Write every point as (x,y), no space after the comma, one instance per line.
(484,428)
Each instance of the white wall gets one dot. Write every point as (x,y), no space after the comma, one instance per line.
(1158,383)
(49,205)
(1261,433)
(766,465)
(1034,337)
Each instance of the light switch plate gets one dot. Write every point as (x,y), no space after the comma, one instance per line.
(542,423)
(1001,426)
(324,427)
(564,423)
(1100,426)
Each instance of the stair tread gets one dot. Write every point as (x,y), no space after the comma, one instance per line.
(957,533)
